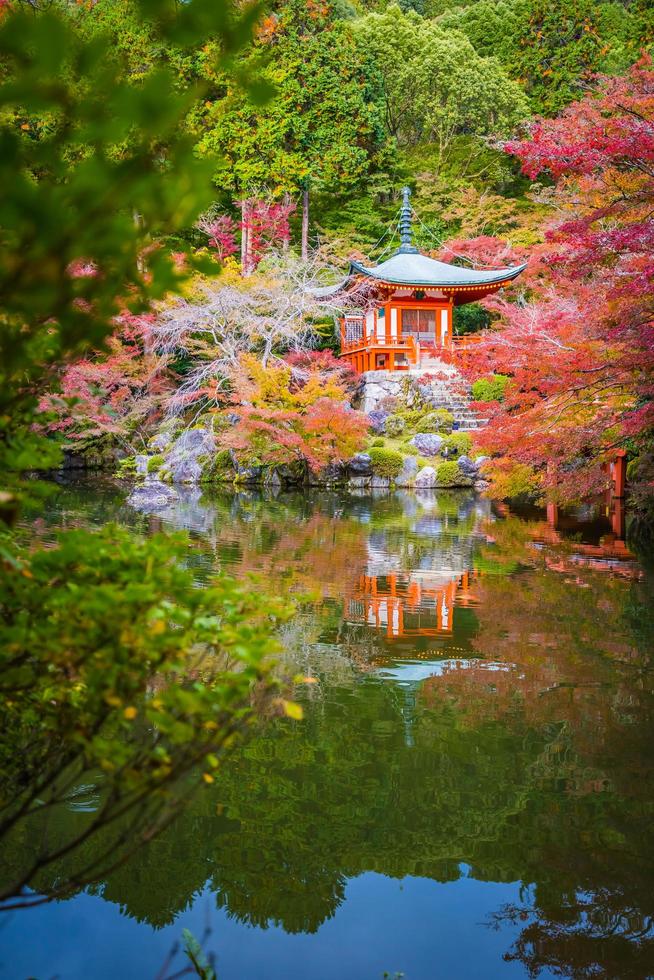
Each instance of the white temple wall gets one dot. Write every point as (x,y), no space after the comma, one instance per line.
(444,327)
(381,327)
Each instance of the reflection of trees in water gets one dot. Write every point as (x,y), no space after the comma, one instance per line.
(598,933)
(590,692)
(531,762)
(304,808)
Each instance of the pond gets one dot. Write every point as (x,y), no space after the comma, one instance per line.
(471,792)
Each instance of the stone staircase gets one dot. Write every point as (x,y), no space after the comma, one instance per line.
(457,401)
(448,390)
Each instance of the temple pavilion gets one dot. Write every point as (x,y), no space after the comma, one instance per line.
(405,319)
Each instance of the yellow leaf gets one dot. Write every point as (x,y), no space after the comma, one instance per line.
(130,713)
(212,760)
(293,710)
(113,700)
(157,626)
(208,778)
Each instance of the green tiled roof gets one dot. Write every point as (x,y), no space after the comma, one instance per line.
(415,269)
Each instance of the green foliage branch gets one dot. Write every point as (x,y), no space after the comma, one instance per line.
(118,677)
(94,171)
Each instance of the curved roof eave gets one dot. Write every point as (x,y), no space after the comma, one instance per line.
(326,292)
(440,274)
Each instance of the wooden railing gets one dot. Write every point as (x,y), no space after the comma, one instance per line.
(465,341)
(368,341)
(457,346)
(372,343)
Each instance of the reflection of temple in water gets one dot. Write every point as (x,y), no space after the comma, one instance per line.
(415,593)
(410,604)
(609,552)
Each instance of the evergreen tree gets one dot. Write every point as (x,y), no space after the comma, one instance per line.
(436,86)
(324,127)
(553,48)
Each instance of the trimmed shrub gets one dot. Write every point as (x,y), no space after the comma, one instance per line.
(385,462)
(377,442)
(440,420)
(411,416)
(395,425)
(155,463)
(448,474)
(490,389)
(457,443)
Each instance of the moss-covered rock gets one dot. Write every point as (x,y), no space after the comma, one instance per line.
(293,474)
(218,468)
(395,425)
(440,420)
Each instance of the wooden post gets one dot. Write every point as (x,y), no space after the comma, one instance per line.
(619,473)
(305,224)
(617,518)
(391,360)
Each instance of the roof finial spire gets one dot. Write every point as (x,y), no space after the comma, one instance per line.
(406,234)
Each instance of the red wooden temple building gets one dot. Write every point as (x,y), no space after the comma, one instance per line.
(409,299)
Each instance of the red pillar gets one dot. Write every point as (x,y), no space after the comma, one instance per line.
(617,519)
(619,473)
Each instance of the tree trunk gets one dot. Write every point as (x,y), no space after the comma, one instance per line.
(286,242)
(140,261)
(245,238)
(305,225)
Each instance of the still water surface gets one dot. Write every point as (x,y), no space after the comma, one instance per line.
(471,793)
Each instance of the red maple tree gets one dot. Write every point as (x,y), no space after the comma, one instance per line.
(579,344)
